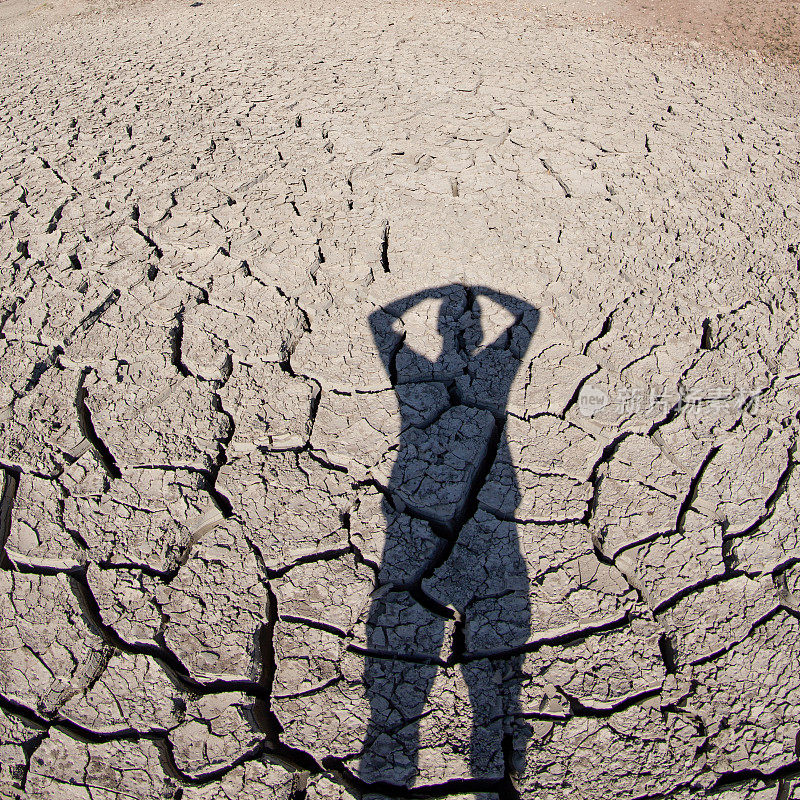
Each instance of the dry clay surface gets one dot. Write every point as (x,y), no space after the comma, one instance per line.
(211,547)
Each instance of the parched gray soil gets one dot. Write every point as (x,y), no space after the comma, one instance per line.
(396,400)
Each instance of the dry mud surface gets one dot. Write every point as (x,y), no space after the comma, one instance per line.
(397,401)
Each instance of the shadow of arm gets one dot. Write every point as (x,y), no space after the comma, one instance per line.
(388,341)
(526,317)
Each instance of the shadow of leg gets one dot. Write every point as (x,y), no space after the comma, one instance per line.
(484,682)
(397,692)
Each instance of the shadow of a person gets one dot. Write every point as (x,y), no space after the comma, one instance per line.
(439,470)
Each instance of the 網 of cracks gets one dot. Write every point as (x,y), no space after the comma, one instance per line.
(295,760)
(170,662)
(503,787)
(157,736)
(770,503)
(263,714)
(81,328)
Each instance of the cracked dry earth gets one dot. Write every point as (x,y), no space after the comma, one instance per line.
(241,481)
